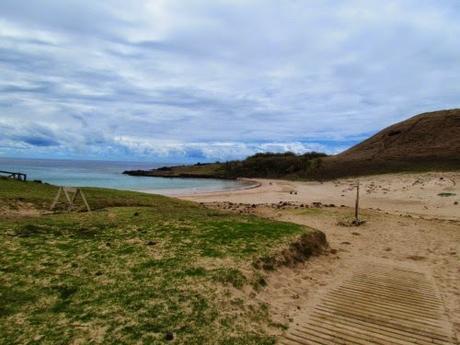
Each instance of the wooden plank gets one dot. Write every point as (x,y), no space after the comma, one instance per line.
(378,305)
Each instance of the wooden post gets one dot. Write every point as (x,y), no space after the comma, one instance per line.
(74,192)
(357,221)
(84,199)
(56,199)
(66,190)
(82,196)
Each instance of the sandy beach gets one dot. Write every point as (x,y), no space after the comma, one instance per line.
(434,195)
(412,220)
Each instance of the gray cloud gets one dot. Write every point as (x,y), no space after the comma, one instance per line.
(216,79)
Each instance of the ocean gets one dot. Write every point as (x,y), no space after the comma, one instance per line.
(108,174)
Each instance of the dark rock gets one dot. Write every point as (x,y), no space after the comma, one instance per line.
(151,243)
(169,336)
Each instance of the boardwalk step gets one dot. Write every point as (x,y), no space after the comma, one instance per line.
(379,304)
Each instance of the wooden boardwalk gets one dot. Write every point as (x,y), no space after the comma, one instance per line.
(381,304)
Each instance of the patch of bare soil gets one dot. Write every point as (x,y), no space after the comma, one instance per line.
(18,209)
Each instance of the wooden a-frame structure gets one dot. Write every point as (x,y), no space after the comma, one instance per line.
(71,195)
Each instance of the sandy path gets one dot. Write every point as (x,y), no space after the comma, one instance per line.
(409,224)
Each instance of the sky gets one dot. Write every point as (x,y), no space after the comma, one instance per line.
(187,81)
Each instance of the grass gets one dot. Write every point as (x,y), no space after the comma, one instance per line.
(42,195)
(444,194)
(261,165)
(138,267)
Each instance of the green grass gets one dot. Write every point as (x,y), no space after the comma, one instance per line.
(137,267)
(444,194)
(42,195)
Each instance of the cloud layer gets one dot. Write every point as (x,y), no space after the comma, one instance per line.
(205,80)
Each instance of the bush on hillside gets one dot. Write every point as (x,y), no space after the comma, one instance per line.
(273,165)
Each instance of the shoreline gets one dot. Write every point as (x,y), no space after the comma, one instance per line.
(247,184)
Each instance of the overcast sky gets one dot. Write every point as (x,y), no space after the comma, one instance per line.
(211,80)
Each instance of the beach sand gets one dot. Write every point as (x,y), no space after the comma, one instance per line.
(409,222)
(415,194)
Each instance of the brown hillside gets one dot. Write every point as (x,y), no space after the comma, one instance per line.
(428,141)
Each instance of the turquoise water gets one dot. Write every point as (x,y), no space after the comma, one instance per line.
(108,174)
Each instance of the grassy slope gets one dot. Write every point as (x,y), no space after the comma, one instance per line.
(213,170)
(131,273)
(262,165)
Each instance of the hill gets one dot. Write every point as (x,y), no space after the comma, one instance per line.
(428,141)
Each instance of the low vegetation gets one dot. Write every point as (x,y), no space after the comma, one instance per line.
(446,194)
(274,165)
(262,165)
(139,269)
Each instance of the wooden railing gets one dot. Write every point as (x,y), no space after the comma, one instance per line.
(14,175)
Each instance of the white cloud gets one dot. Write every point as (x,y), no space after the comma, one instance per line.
(211,150)
(219,79)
